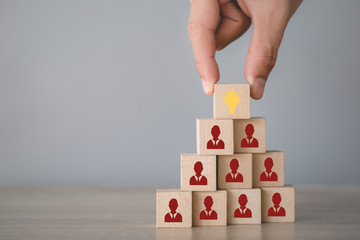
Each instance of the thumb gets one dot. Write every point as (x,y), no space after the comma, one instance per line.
(262,55)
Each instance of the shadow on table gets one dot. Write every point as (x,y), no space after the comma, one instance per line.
(264,231)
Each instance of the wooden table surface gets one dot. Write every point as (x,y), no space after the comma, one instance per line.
(58,212)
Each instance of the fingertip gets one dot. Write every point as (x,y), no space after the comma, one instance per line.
(257,88)
(250,80)
(208,87)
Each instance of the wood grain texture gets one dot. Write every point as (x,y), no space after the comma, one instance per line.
(113,212)
(259,134)
(245,169)
(208,163)
(287,194)
(219,206)
(259,169)
(204,135)
(184,202)
(222,102)
(254,204)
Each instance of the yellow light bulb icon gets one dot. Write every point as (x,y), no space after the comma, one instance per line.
(232,99)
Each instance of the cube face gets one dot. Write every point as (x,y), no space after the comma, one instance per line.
(232,101)
(244,206)
(198,173)
(278,204)
(214,137)
(268,169)
(235,171)
(173,208)
(209,208)
(249,135)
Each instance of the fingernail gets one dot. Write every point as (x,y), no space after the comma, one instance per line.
(250,80)
(204,85)
(207,86)
(210,88)
(259,86)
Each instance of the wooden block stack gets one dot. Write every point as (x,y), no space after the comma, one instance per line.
(232,179)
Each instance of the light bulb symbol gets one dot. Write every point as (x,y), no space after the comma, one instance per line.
(232,99)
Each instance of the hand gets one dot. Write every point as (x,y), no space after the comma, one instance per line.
(214,24)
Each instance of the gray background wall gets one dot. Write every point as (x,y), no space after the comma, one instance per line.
(106,92)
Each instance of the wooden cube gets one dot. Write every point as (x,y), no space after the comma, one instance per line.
(214,137)
(268,169)
(278,204)
(173,208)
(235,171)
(198,173)
(244,206)
(232,101)
(209,208)
(249,135)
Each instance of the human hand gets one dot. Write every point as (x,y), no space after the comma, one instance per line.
(214,24)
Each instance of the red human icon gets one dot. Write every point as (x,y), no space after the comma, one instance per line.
(215,142)
(173,216)
(276,210)
(208,213)
(198,179)
(268,175)
(242,211)
(249,141)
(234,175)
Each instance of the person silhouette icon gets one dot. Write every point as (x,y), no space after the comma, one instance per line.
(215,142)
(242,211)
(276,210)
(249,141)
(173,216)
(268,174)
(198,179)
(208,213)
(234,175)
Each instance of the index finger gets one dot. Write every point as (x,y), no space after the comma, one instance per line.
(203,22)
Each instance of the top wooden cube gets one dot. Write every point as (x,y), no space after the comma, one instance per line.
(232,101)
